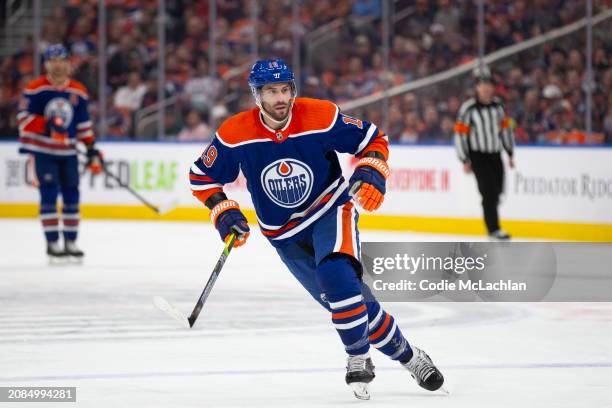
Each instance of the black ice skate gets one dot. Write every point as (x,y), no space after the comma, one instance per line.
(359,373)
(424,371)
(73,251)
(55,252)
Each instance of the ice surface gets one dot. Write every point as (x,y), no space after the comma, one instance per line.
(260,340)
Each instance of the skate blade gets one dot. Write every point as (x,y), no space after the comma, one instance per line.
(444,391)
(360,390)
(57,260)
(75,260)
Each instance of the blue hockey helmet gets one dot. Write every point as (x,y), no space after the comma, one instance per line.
(56,51)
(270,71)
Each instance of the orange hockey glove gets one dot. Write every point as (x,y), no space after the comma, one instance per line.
(368,183)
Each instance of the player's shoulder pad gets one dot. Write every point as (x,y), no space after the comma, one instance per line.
(313,115)
(37,83)
(240,128)
(78,88)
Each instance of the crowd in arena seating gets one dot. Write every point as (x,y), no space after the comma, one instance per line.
(543,91)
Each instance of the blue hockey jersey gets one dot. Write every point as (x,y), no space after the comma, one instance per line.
(42,102)
(293,174)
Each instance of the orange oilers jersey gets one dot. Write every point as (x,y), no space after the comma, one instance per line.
(43,102)
(293,174)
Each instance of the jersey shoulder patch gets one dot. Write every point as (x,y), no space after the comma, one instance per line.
(313,115)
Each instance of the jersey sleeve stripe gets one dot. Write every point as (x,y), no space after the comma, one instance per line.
(195,177)
(196,170)
(84,135)
(205,186)
(34,124)
(366,139)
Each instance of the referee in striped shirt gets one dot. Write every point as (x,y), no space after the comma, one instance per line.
(482,129)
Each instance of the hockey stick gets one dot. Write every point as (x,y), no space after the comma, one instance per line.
(172,311)
(159,209)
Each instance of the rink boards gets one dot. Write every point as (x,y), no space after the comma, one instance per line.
(554,192)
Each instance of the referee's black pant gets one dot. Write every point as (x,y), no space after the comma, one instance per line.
(489,172)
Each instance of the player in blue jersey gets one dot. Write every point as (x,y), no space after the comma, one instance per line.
(53,117)
(287,149)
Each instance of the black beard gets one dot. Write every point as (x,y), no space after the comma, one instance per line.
(275,116)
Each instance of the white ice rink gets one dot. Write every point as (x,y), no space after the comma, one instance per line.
(260,340)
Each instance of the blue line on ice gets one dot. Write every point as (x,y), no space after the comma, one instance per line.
(101,376)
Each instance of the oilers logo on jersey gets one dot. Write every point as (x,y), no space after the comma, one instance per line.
(287,182)
(60,108)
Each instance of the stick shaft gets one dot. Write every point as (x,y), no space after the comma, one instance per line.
(128,188)
(211,281)
(131,190)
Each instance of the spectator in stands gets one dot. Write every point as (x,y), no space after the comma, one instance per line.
(447,127)
(447,16)
(120,62)
(195,128)
(23,61)
(366,8)
(607,123)
(432,129)
(173,123)
(177,72)
(315,89)
(202,90)
(352,65)
(529,117)
(129,97)
(396,120)
(8,119)
(555,110)
(357,82)
(412,127)
(81,42)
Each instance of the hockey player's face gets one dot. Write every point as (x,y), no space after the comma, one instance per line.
(276,100)
(58,67)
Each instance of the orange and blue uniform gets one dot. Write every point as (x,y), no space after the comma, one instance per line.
(52,119)
(41,103)
(293,174)
(304,208)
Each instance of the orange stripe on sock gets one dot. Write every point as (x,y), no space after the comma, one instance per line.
(350,313)
(382,329)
